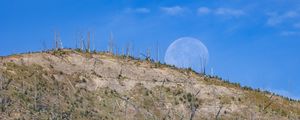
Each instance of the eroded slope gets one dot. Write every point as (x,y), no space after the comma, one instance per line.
(73,85)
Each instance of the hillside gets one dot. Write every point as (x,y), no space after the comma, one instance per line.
(69,84)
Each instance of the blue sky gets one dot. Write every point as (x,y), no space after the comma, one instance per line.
(255,43)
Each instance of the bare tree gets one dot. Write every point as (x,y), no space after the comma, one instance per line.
(126,99)
(161,96)
(270,101)
(81,41)
(128,47)
(44,45)
(193,106)
(88,42)
(117,51)
(76,40)
(157,51)
(148,53)
(57,41)
(212,72)
(203,65)
(218,113)
(93,41)
(111,43)
(132,49)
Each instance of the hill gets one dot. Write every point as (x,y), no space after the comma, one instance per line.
(69,84)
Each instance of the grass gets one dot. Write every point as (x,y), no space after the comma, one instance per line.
(41,97)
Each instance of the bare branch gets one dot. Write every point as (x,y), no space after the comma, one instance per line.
(193,106)
(270,102)
(219,111)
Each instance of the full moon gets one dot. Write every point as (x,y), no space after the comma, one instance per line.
(187,52)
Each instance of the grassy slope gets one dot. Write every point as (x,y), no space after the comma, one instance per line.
(43,90)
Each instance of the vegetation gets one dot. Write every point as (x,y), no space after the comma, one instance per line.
(76,84)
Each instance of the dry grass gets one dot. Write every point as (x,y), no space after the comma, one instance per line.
(49,90)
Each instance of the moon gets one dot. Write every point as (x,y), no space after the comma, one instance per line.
(187,52)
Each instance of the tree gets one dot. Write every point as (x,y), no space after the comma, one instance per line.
(57,41)
(88,42)
(128,47)
(81,41)
(218,113)
(157,51)
(194,104)
(44,45)
(93,41)
(111,43)
(203,65)
(147,56)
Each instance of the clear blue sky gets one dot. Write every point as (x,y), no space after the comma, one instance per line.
(255,43)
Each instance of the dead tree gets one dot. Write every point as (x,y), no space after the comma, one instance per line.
(83,45)
(76,40)
(93,41)
(212,72)
(122,52)
(137,53)
(57,41)
(132,50)
(81,42)
(126,99)
(44,45)
(111,43)
(157,51)
(160,92)
(147,56)
(128,49)
(202,65)
(116,50)
(193,106)
(88,42)
(269,102)
(60,42)
(148,53)
(218,113)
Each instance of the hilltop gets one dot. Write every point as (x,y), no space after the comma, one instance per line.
(70,84)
